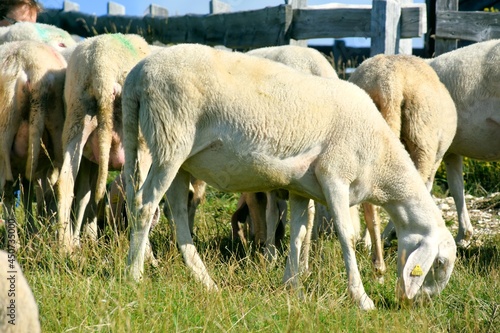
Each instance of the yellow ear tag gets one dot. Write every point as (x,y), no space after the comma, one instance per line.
(417,271)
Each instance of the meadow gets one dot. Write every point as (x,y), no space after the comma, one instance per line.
(88,291)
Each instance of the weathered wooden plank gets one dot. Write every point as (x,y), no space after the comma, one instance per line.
(385,17)
(115,8)
(331,23)
(473,26)
(445,45)
(404,45)
(413,20)
(85,25)
(246,29)
(240,30)
(351,21)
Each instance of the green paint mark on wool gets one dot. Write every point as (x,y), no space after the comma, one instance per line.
(46,35)
(121,38)
(42,32)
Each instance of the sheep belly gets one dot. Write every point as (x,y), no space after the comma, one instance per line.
(486,146)
(239,170)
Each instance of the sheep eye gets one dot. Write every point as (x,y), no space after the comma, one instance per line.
(62,45)
(439,262)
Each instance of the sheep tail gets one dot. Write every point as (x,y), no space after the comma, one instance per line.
(105,109)
(130,118)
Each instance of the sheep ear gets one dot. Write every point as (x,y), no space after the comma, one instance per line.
(417,266)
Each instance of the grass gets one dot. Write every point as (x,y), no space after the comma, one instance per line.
(88,292)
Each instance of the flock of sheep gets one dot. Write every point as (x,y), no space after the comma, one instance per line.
(274,124)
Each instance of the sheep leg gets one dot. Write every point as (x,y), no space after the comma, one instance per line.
(299,208)
(337,197)
(257,203)
(142,200)
(90,209)
(82,197)
(65,185)
(198,193)
(373,226)
(272,217)
(454,175)
(304,261)
(240,216)
(177,196)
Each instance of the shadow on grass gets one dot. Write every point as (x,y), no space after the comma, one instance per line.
(484,258)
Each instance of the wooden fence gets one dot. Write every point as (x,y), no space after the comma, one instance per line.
(452,25)
(386,22)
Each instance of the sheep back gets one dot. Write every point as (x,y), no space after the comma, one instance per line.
(304,59)
(45,33)
(415,104)
(261,105)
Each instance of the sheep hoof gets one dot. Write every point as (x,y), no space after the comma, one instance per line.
(366,303)
(464,241)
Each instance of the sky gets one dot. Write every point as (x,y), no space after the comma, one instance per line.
(182,7)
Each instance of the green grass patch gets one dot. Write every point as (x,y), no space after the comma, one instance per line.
(88,292)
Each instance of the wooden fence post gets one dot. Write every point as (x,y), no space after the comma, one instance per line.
(156,11)
(115,8)
(69,6)
(384,25)
(445,45)
(217,6)
(296,4)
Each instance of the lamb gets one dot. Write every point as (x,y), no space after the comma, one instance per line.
(201,110)
(418,109)
(472,76)
(32,110)
(92,128)
(19,309)
(45,33)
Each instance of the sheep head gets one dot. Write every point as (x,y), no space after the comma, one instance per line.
(425,264)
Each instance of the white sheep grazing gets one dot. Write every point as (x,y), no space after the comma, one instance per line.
(45,33)
(31,109)
(418,109)
(19,311)
(472,76)
(92,128)
(201,111)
